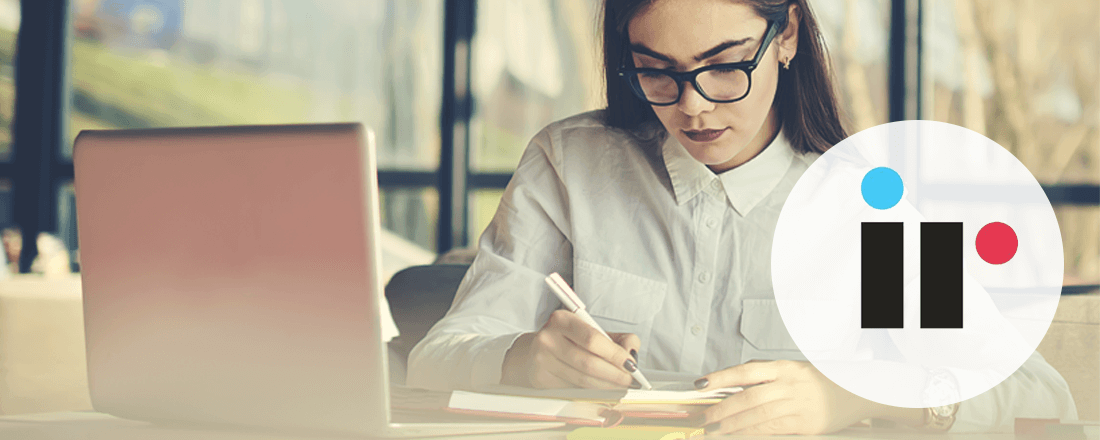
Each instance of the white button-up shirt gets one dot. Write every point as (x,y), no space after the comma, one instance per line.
(655,244)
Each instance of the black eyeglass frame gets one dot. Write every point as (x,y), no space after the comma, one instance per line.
(630,74)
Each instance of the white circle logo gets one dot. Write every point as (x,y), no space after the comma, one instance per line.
(917,264)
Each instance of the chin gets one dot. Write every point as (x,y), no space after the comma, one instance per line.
(712,155)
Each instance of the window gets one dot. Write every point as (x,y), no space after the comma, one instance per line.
(857,36)
(154,63)
(533,62)
(9,27)
(1025,74)
(139,64)
(525,77)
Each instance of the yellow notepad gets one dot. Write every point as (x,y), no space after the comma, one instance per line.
(625,432)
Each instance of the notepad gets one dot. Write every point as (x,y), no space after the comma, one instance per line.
(503,406)
(532,408)
(635,433)
(662,393)
(585,407)
(668,401)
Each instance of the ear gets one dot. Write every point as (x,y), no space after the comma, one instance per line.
(788,40)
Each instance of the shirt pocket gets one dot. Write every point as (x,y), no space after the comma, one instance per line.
(765,336)
(621,302)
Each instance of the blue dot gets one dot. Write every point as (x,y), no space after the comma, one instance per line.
(882,188)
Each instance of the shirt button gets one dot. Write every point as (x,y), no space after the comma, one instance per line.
(711,222)
(695,330)
(704,277)
(716,184)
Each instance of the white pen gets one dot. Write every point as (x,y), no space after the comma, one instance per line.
(573,303)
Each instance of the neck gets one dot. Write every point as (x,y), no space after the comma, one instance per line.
(767,133)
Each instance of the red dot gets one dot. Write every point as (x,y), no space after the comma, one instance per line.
(997,243)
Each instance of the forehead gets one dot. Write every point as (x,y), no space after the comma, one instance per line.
(683,28)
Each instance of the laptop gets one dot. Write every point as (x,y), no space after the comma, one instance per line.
(231,276)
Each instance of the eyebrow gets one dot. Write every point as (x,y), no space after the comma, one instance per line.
(640,48)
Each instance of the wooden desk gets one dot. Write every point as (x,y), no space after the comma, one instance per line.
(97,426)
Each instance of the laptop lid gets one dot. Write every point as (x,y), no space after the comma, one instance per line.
(231,275)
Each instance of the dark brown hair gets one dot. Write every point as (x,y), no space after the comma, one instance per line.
(805,95)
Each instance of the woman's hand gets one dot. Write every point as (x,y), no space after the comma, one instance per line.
(785,397)
(568,353)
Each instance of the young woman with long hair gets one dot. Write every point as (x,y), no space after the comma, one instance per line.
(660,210)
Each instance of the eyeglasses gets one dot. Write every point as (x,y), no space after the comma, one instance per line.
(720,83)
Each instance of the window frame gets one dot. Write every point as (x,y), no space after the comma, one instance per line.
(37,169)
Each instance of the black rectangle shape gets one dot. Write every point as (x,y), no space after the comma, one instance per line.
(941,268)
(882,285)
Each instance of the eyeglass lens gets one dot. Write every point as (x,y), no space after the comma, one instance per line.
(717,84)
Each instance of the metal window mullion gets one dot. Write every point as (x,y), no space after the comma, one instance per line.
(488,180)
(407,179)
(458,29)
(38,125)
(1067,194)
(904,76)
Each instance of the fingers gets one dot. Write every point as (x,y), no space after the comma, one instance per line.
(544,377)
(587,339)
(758,402)
(629,342)
(788,402)
(551,372)
(594,366)
(749,373)
(576,378)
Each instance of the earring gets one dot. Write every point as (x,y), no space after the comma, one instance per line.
(787,64)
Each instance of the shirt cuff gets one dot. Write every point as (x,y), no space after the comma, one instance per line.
(489,360)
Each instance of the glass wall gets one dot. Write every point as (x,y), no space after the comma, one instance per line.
(857,34)
(1022,73)
(533,62)
(1025,74)
(164,63)
(550,67)
(9,27)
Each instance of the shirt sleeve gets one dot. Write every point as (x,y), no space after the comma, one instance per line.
(1035,390)
(503,295)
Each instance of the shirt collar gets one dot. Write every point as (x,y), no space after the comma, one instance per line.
(751,182)
(744,186)
(688,175)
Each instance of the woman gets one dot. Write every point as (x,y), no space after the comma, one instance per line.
(660,209)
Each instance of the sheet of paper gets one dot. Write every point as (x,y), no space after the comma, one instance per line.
(675,392)
(663,392)
(525,405)
(670,376)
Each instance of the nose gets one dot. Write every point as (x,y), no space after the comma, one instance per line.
(692,103)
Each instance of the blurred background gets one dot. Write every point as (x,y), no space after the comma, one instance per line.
(455,90)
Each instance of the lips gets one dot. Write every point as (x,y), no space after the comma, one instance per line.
(704,135)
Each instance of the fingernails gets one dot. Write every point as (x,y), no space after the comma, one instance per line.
(634,354)
(712,427)
(701,383)
(630,366)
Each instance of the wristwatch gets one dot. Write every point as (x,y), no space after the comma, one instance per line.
(939,418)
(941,386)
